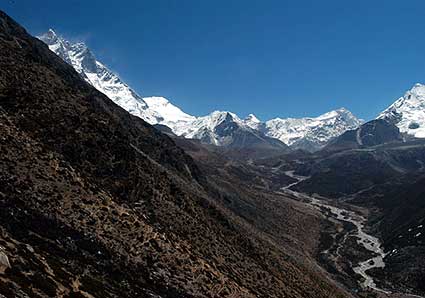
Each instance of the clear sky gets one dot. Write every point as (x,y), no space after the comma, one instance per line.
(272,58)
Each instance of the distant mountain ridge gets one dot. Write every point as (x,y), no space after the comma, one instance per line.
(218,128)
(372,133)
(312,133)
(222,128)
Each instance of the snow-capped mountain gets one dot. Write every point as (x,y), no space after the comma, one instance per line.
(217,128)
(167,113)
(408,112)
(227,129)
(312,133)
(154,110)
(252,121)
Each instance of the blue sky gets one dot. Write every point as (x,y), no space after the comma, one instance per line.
(272,58)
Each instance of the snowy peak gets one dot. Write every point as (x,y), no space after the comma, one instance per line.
(218,117)
(76,54)
(99,76)
(205,128)
(208,123)
(220,128)
(252,118)
(50,37)
(408,112)
(252,121)
(170,114)
(341,113)
(312,133)
(57,44)
(418,89)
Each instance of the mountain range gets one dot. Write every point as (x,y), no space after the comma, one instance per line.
(222,128)
(217,128)
(97,202)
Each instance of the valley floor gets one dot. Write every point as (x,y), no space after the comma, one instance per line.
(348,250)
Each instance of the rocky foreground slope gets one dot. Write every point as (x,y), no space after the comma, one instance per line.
(95,202)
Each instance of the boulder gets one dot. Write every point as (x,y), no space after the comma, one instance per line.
(4,262)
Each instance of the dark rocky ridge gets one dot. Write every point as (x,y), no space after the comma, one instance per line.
(97,202)
(372,133)
(344,173)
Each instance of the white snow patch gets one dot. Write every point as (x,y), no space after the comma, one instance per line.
(408,112)
(318,130)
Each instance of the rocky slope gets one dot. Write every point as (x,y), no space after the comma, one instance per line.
(97,203)
(344,173)
(372,133)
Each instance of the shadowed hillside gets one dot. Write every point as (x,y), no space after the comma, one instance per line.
(94,202)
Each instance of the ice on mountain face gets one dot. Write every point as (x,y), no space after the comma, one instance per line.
(408,112)
(99,76)
(223,128)
(205,128)
(252,121)
(171,115)
(306,133)
(317,131)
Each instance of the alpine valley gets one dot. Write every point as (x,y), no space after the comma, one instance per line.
(107,193)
